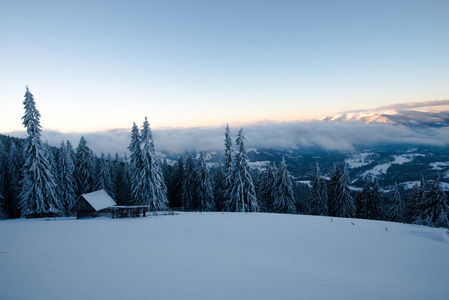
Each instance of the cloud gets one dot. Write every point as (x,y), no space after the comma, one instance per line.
(307,136)
(399,106)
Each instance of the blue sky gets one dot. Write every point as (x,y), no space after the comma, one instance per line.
(97,65)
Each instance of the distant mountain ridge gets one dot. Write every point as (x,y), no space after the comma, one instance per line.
(406,117)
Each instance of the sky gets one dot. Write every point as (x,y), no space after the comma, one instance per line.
(98,65)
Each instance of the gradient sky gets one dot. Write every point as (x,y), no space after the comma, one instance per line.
(97,65)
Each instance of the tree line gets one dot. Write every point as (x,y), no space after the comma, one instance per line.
(424,205)
(40,179)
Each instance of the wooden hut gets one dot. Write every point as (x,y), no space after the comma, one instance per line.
(93,204)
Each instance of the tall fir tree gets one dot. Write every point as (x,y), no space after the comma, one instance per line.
(268,188)
(71,151)
(123,183)
(396,212)
(284,201)
(435,209)
(84,168)
(178,176)
(242,192)
(229,163)
(52,153)
(416,201)
(204,191)
(115,171)
(258,185)
(15,163)
(65,178)
(102,175)
(135,163)
(169,180)
(343,202)
(219,188)
(318,198)
(374,207)
(363,200)
(332,190)
(189,185)
(413,198)
(152,189)
(38,193)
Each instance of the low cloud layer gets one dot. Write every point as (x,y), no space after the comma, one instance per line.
(334,137)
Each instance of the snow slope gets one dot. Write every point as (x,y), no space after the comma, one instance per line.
(221,256)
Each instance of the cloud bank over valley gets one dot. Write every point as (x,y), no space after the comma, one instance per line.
(308,136)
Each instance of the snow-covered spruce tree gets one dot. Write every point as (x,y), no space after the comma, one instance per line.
(242,196)
(374,207)
(416,201)
(114,170)
(219,188)
(413,198)
(169,178)
(135,164)
(363,200)
(268,190)
(204,191)
(284,201)
(71,151)
(102,175)
(435,209)
(258,184)
(332,190)
(151,186)
(318,199)
(38,193)
(65,178)
(84,168)
(15,163)
(52,153)
(189,185)
(322,195)
(110,168)
(344,203)
(178,176)
(229,163)
(123,187)
(396,211)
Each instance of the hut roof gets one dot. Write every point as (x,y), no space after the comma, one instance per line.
(99,200)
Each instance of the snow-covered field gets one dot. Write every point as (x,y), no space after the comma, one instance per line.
(222,256)
(358,160)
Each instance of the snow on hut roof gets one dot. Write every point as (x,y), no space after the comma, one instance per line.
(99,200)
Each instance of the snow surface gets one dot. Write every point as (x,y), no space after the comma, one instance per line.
(260,164)
(405,158)
(99,200)
(221,256)
(398,160)
(378,170)
(308,182)
(410,184)
(358,160)
(439,165)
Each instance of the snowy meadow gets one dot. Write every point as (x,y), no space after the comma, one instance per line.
(222,256)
